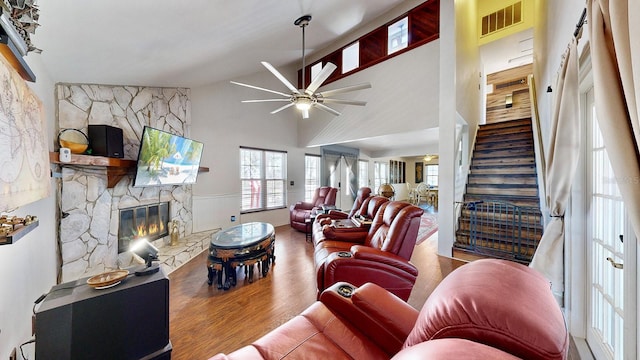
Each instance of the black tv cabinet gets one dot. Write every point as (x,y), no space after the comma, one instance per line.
(127,321)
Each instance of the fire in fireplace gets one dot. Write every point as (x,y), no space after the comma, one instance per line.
(148,221)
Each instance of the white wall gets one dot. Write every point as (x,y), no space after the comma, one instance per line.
(28,267)
(224,124)
(403,97)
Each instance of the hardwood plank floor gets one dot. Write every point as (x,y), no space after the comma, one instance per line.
(204,320)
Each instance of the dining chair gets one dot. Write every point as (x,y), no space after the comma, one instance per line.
(423,192)
(411,194)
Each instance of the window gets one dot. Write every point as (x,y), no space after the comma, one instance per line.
(380,174)
(417,27)
(263,175)
(315,69)
(431,172)
(398,35)
(351,57)
(311,176)
(363,173)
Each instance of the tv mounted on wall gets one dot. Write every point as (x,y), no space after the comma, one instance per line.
(167,159)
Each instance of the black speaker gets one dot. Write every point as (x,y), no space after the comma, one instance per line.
(106,140)
(127,321)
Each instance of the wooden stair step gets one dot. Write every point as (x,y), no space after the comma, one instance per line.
(496,146)
(529,201)
(525,247)
(522,179)
(505,191)
(530,160)
(504,169)
(502,138)
(506,153)
(502,228)
(522,129)
(489,235)
(523,257)
(503,124)
(530,221)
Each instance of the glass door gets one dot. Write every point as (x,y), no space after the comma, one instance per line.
(612,296)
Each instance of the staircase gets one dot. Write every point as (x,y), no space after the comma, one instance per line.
(500,215)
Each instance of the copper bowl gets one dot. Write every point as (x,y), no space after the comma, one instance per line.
(73,139)
(74,147)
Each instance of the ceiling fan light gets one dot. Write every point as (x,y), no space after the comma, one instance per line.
(303,104)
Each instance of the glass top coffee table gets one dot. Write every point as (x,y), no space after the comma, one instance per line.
(241,245)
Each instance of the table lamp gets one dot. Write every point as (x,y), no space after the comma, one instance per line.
(148,253)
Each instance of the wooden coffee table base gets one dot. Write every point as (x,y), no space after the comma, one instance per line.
(226,253)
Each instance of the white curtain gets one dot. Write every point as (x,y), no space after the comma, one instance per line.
(614,31)
(330,163)
(352,165)
(561,163)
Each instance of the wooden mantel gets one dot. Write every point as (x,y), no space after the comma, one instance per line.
(116,168)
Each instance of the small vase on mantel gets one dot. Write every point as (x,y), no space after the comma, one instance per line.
(174,232)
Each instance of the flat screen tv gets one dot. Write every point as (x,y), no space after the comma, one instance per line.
(166,159)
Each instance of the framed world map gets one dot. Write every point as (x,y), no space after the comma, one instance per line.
(24,164)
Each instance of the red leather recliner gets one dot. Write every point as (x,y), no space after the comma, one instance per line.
(487,309)
(361,196)
(301,211)
(380,256)
(368,210)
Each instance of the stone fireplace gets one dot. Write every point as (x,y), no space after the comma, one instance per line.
(90,210)
(147,221)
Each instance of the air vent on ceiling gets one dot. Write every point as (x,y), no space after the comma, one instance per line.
(502,18)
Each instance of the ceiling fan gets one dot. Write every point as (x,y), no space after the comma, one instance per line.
(304,99)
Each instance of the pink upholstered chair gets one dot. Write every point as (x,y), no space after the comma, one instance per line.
(301,211)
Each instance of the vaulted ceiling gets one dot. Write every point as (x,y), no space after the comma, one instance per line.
(186,43)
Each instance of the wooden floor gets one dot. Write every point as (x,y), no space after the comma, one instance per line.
(205,321)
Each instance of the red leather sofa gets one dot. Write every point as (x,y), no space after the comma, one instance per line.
(487,309)
(301,211)
(380,255)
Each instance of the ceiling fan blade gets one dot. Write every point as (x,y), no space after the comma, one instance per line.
(281,78)
(324,74)
(282,108)
(340,101)
(262,89)
(264,100)
(327,109)
(344,89)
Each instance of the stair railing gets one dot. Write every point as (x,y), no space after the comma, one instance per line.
(501,230)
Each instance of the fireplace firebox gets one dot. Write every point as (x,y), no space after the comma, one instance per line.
(147,221)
